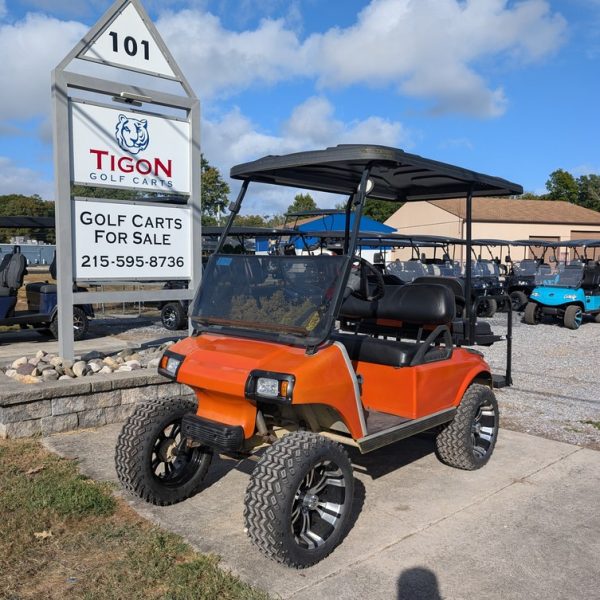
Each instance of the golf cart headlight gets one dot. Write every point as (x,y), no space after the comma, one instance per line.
(535,294)
(169,364)
(570,296)
(265,386)
(270,386)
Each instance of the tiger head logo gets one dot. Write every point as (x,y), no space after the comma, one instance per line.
(132,134)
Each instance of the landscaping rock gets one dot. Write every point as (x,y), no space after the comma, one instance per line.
(124,368)
(79,368)
(134,364)
(57,361)
(94,354)
(20,361)
(50,375)
(11,372)
(94,367)
(105,370)
(26,378)
(40,354)
(64,377)
(25,369)
(153,363)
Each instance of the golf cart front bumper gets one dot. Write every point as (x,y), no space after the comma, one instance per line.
(221,437)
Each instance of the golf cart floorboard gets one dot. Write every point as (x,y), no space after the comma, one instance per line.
(378,421)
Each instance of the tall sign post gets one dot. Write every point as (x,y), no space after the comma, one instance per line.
(137,138)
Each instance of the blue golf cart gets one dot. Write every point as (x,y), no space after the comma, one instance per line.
(570,291)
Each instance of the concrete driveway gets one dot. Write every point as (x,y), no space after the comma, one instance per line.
(525,526)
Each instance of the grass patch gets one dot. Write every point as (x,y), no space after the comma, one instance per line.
(595,424)
(65,536)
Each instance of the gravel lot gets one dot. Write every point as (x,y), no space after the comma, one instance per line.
(556,380)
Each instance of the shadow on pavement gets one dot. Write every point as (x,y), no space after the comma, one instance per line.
(418,583)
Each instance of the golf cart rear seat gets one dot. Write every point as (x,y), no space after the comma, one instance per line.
(37,292)
(422,304)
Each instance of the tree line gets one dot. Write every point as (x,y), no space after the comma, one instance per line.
(561,185)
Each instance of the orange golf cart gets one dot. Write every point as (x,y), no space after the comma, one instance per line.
(275,376)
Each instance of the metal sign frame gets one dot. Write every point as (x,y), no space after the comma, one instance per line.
(66,83)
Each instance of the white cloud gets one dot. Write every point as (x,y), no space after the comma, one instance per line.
(31,49)
(22,180)
(233,139)
(428,48)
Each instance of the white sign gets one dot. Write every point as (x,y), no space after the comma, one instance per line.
(127,42)
(120,148)
(131,241)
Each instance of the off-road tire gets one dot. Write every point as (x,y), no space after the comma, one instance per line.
(455,444)
(532,314)
(135,447)
(518,300)
(487,308)
(273,493)
(573,317)
(81,324)
(173,316)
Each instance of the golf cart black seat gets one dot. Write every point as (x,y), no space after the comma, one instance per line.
(422,305)
(41,287)
(591,277)
(11,277)
(452,283)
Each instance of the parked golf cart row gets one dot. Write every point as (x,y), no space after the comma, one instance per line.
(41,312)
(270,366)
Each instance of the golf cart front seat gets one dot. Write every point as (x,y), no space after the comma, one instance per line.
(422,305)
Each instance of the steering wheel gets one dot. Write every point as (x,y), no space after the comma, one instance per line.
(360,283)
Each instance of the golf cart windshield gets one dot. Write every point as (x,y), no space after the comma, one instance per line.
(567,276)
(407,270)
(283,298)
(485,268)
(525,268)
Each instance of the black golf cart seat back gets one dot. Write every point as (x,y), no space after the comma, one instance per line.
(12,275)
(591,277)
(416,304)
(36,289)
(53,267)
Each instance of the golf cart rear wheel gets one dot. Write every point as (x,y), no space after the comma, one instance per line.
(573,317)
(80,324)
(153,460)
(469,440)
(533,314)
(299,499)
(173,316)
(487,307)
(518,300)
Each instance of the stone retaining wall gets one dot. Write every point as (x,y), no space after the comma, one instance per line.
(56,406)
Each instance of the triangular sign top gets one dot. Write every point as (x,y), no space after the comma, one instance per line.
(129,40)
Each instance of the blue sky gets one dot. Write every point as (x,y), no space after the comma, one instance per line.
(506,88)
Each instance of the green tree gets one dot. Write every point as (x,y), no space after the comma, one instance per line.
(301,203)
(589,191)
(530,196)
(250,221)
(30,206)
(381,210)
(215,192)
(561,185)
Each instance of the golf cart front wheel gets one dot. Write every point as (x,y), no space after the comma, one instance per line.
(468,441)
(573,317)
(81,324)
(299,499)
(533,314)
(153,460)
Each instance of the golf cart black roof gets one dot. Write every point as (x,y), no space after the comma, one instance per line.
(27,222)
(490,242)
(396,175)
(317,212)
(263,232)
